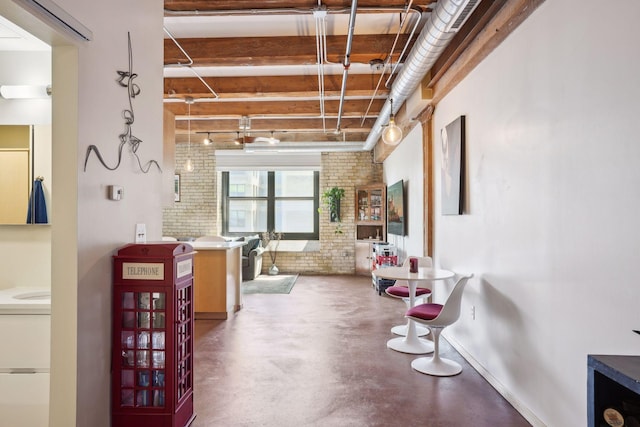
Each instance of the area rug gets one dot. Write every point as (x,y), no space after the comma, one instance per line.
(264,284)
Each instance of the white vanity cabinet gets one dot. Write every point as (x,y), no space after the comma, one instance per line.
(24,361)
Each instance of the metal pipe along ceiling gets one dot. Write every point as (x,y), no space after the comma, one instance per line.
(347,61)
(433,39)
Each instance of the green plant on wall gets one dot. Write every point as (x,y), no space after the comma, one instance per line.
(331,199)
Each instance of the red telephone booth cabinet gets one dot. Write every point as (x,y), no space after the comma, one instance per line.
(152,361)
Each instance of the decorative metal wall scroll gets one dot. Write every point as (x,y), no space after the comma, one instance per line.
(125,79)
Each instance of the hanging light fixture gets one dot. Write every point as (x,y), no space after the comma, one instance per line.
(392,134)
(273,140)
(188,165)
(24,92)
(207,140)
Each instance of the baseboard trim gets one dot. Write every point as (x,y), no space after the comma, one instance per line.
(497,385)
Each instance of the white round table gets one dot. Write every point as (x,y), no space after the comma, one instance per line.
(411,343)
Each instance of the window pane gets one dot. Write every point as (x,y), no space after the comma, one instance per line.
(294,183)
(294,216)
(248,184)
(247,216)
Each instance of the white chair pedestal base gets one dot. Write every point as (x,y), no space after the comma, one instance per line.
(402,330)
(417,346)
(436,366)
(410,343)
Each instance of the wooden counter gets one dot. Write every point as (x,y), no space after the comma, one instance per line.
(217,275)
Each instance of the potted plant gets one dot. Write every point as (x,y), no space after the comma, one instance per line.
(331,198)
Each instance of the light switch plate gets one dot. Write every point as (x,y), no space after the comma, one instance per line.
(141,233)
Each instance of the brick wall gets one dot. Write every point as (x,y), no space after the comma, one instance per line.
(197,213)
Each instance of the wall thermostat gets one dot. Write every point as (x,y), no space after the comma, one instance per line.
(115,192)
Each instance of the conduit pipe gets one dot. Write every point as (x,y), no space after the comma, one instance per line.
(433,39)
(189,64)
(347,61)
(389,60)
(319,16)
(279,11)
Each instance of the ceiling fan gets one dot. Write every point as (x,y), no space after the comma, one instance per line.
(248,139)
(245,125)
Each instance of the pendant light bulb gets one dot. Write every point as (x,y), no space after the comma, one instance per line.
(392,133)
(272,139)
(188,165)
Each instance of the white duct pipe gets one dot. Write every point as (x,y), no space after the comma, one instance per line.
(433,39)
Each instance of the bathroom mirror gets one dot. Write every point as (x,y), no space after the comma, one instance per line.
(25,123)
(25,155)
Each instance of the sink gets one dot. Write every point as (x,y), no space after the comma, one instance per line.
(24,300)
(33,296)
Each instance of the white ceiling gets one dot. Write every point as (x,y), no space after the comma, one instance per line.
(14,38)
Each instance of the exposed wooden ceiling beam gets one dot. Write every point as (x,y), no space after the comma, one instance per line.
(294,50)
(463,38)
(221,138)
(503,23)
(230,5)
(273,108)
(261,97)
(270,86)
(280,124)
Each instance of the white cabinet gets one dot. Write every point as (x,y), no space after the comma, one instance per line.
(28,341)
(24,400)
(24,360)
(364,260)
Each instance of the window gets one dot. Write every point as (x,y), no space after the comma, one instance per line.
(257,201)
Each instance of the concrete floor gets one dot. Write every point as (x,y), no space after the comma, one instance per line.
(318,357)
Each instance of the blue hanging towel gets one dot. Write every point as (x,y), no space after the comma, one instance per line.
(37,205)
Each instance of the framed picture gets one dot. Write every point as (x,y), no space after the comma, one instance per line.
(452,166)
(176,187)
(395,209)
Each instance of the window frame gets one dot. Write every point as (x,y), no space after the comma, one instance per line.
(271,202)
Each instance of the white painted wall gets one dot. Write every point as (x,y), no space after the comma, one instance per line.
(406,163)
(550,228)
(104,225)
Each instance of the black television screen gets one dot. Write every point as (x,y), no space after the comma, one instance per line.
(395,209)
